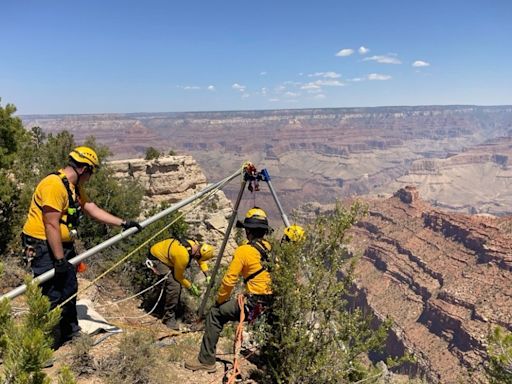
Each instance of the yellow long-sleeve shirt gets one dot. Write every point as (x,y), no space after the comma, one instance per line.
(174,255)
(246,261)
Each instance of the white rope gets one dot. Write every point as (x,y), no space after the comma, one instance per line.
(137,294)
(146,314)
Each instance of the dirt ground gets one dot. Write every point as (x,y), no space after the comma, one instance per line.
(171,348)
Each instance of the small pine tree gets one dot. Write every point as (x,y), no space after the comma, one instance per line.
(314,335)
(499,367)
(26,344)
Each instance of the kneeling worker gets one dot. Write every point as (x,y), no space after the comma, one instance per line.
(175,255)
(248,261)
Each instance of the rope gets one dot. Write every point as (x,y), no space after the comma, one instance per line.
(152,309)
(137,294)
(121,261)
(238,341)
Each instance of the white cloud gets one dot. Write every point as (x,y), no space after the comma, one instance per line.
(378,76)
(319,96)
(273,100)
(321,83)
(291,94)
(245,95)
(191,87)
(310,86)
(329,83)
(279,88)
(263,91)
(420,63)
(363,50)
(356,79)
(315,90)
(263,73)
(329,75)
(384,59)
(345,52)
(238,87)
(211,87)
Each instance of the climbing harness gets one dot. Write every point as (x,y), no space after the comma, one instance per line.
(264,259)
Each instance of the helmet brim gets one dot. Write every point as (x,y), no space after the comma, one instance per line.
(240,224)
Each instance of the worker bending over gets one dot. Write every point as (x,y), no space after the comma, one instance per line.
(174,256)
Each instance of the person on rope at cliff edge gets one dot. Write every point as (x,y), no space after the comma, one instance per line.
(51,227)
(175,255)
(249,261)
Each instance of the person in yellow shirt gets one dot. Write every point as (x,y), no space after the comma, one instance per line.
(51,226)
(175,255)
(249,262)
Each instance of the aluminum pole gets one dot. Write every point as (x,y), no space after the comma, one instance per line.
(232,219)
(266,177)
(107,243)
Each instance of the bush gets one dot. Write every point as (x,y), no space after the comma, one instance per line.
(135,362)
(152,153)
(315,336)
(499,367)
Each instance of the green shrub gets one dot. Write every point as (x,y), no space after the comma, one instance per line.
(499,366)
(315,336)
(152,153)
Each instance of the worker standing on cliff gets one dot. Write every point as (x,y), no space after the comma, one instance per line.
(51,227)
(171,257)
(249,261)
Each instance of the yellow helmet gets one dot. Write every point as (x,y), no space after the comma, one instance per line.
(85,155)
(293,233)
(254,218)
(206,251)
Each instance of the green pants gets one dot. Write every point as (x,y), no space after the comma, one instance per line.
(218,316)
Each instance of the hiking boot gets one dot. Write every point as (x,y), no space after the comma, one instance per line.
(172,324)
(195,365)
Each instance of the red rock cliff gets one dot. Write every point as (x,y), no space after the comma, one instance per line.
(444,278)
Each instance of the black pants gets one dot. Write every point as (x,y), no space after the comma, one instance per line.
(57,289)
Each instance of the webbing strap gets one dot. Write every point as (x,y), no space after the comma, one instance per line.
(263,256)
(72,203)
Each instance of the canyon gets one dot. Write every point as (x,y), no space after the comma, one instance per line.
(324,154)
(444,279)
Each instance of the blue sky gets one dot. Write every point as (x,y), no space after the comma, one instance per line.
(147,56)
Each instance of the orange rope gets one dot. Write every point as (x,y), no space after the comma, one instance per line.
(238,340)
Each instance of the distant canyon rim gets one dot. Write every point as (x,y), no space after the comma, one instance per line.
(457,156)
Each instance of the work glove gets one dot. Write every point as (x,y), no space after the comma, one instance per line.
(62,266)
(194,289)
(130,224)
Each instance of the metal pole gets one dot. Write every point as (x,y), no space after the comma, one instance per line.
(266,177)
(49,274)
(232,219)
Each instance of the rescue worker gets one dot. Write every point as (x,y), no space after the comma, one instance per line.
(51,226)
(175,255)
(293,233)
(249,261)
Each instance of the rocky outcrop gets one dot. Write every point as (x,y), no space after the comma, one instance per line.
(170,179)
(443,278)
